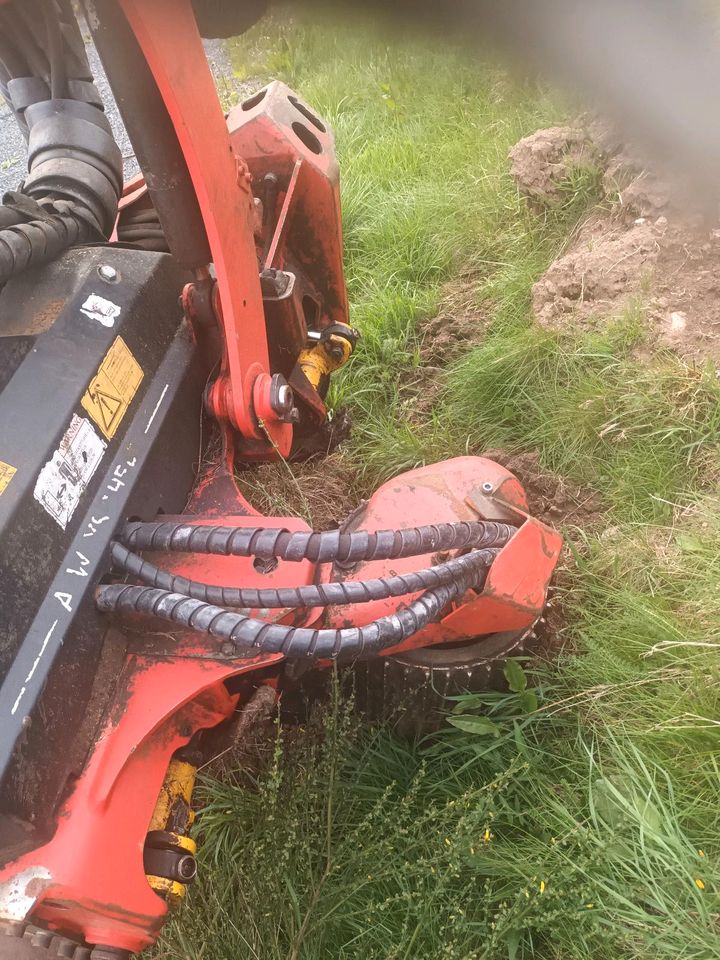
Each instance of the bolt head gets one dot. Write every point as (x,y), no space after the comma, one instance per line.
(265,565)
(108,273)
(285,397)
(487,487)
(282,399)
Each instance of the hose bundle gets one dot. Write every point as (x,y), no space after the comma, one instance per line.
(335,593)
(204,607)
(74,180)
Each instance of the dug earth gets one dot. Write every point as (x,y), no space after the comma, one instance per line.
(644,246)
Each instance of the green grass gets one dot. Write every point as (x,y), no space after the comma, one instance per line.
(581,821)
(637,433)
(581,830)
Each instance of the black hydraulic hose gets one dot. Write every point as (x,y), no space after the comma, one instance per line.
(268,542)
(140,231)
(11,59)
(56,51)
(141,216)
(20,27)
(76,60)
(306,596)
(38,241)
(250,636)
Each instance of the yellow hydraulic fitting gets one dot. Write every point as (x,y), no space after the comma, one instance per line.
(328,354)
(173,810)
(169,853)
(171,890)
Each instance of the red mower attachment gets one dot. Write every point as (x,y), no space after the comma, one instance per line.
(465,489)
(441,560)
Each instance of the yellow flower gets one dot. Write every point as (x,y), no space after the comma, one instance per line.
(701,853)
(589,906)
(447,840)
(487,836)
(542,886)
(700,884)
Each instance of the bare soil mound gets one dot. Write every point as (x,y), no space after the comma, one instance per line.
(456,328)
(645,245)
(605,266)
(672,271)
(542,163)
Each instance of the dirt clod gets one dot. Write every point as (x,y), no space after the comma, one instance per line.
(646,246)
(605,266)
(456,328)
(683,302)
(640,192)
(671,270)
(459,325)
(542,163)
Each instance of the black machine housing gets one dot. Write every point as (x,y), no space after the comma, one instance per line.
(101,388)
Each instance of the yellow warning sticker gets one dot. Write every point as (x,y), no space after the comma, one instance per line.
(6,474)
(111,390)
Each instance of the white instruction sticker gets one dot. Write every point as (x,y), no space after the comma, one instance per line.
(98,308)
(63,479)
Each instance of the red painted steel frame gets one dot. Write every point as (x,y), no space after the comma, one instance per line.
(264,130)
(88,880)
(168,36)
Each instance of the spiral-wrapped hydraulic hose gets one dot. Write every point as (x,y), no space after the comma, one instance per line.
(203,607)
(336,593)
(323,547)
(250,636)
